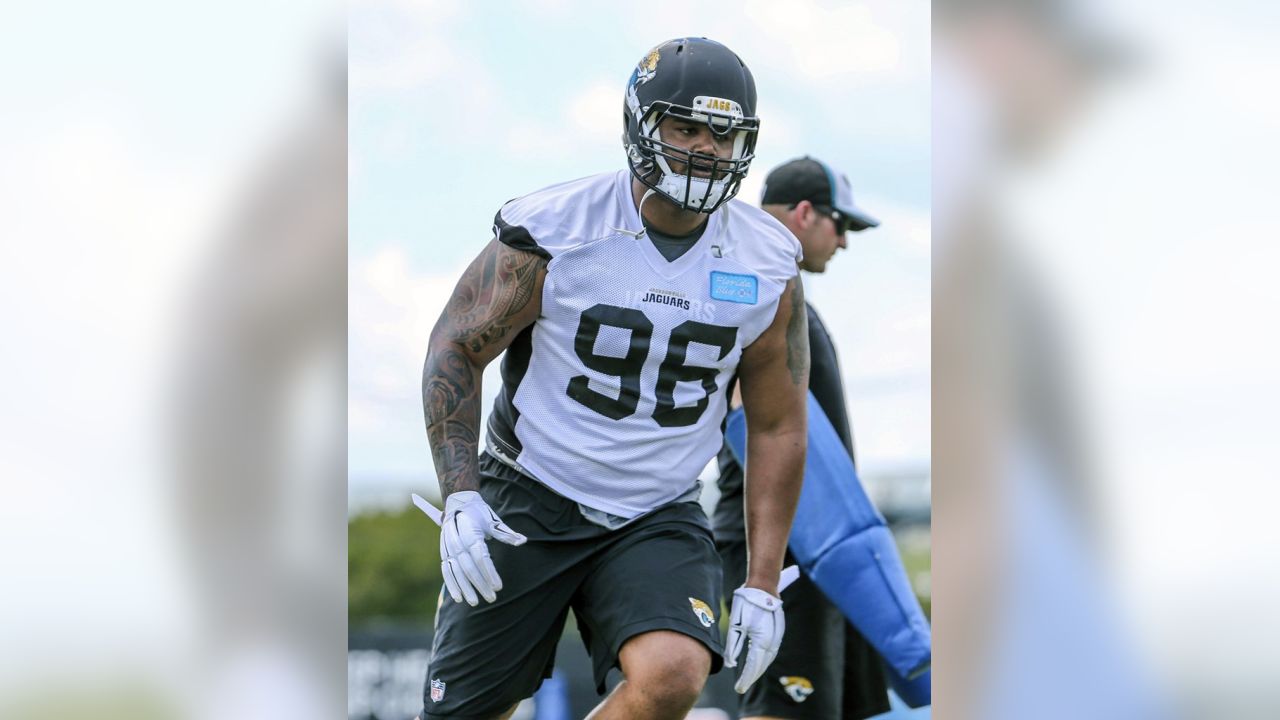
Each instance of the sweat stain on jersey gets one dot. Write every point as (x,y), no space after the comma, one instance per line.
(703,611)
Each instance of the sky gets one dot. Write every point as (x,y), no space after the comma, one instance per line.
(455,108)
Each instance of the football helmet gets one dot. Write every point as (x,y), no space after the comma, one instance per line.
(702,81)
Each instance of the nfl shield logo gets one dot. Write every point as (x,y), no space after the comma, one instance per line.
(437,690)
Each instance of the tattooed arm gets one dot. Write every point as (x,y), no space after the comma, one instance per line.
(774,377)
(499,295)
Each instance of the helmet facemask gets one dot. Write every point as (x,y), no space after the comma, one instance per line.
(652,158)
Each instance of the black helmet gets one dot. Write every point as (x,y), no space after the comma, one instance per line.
(699,80)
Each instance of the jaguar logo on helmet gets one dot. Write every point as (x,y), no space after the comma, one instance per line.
(798,688)
(703,611)
(647,68)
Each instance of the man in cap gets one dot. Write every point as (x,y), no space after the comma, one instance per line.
(824,668)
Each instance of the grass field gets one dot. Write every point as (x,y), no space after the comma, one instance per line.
(916,550)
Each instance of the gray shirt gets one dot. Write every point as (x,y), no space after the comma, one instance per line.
(673,246)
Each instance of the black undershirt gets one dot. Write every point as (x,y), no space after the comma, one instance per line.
(673,246)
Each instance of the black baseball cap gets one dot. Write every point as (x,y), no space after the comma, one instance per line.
(809,179)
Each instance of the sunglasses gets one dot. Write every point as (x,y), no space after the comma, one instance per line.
(843,222)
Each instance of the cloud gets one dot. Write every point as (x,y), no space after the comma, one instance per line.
(531,140)
(587,125)
(828,42)
(400,45)
(596,110)
(911,228)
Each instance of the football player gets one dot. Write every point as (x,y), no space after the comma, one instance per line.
(625,302)
(825,670)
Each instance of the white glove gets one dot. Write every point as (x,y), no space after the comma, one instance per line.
(756,616)
(467,523)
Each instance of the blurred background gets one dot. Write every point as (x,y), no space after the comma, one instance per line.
(172,446)
(1103,224)
(457,108)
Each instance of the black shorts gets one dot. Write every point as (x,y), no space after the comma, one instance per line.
(660,572)
(825,670)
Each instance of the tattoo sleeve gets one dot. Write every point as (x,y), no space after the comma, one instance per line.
(798,335)
(491,303)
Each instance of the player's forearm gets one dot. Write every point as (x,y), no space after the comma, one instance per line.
(774,473)
(451,405)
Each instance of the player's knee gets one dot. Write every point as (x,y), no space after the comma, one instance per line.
(671,687)
(673,674)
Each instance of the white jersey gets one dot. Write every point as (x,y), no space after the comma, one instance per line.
(615,396)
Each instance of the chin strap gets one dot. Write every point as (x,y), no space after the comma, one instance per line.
(641,231)
(647,194)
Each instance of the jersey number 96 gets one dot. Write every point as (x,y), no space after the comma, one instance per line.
(627,368)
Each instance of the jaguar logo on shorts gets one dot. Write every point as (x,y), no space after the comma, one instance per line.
(437,690)
(703,611)
(799,688)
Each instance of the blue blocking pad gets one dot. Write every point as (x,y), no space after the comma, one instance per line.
(914,693)
(842,542)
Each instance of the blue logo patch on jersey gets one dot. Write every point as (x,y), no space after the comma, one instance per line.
(735,288)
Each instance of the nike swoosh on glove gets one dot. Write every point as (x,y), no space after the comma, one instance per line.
(757,617)
(467,523)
